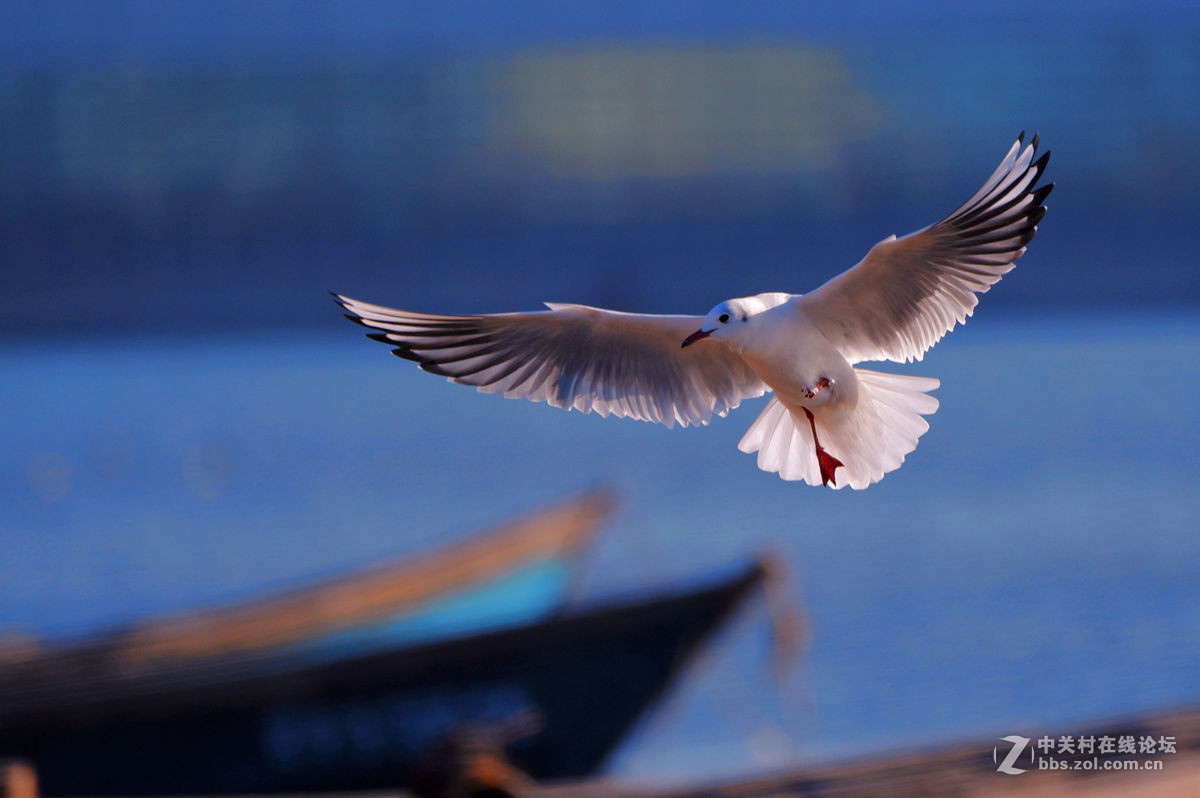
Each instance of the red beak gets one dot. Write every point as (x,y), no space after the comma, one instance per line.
(698,335)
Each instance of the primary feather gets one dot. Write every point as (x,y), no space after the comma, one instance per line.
(572,356)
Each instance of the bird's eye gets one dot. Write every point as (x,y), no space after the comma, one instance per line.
(724,317)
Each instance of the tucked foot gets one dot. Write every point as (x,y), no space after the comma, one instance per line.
(821,385)
(825,461)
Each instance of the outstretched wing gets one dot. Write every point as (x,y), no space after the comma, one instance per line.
(909,292)
(573,356)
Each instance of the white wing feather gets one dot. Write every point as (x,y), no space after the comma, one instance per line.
(909,292)
(575,357)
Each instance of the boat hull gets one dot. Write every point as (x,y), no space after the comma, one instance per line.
(277,725)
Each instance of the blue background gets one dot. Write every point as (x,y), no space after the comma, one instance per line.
(188,421)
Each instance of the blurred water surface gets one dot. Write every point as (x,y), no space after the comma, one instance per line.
(214,165)
(186,421)
(1032,562)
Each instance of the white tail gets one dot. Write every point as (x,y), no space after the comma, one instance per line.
(870,439)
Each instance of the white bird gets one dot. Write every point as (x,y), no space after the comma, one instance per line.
(828,423)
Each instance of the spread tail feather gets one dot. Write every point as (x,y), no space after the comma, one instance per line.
(865,441)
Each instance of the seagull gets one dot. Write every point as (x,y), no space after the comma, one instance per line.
(829,423)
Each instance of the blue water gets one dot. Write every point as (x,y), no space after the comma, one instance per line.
(1032,565)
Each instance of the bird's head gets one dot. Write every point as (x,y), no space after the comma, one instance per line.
(723,321)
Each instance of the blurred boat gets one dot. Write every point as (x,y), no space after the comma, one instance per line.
(352,684)
(508,575)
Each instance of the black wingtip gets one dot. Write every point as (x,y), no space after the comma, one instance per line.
(1039,166)
(408,354)
(1021,137)
(432,368)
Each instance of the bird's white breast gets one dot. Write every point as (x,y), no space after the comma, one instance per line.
(791,355)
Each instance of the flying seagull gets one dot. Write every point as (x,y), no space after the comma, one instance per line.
(828,423)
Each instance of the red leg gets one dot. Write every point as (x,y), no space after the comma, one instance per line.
(825,461)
